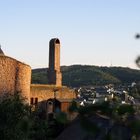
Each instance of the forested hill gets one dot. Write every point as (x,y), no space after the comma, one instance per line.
(80,75)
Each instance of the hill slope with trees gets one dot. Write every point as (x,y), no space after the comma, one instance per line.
(83,75)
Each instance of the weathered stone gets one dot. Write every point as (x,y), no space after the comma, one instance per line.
(15,77)
(54,73)
(45,92)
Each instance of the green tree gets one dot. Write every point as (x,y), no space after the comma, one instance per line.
(14,115)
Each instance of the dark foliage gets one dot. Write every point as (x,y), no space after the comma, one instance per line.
(39,76)
(14,117)
(82,75)
(17,122)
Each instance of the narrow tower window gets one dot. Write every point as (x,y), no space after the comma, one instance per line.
(36,101)
(32,101)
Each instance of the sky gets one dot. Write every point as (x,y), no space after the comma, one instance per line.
(91,32)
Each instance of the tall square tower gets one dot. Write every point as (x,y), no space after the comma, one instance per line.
(54,72)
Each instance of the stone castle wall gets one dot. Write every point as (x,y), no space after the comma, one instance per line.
(45,92)
(23,80)
(7,74)
(14,77)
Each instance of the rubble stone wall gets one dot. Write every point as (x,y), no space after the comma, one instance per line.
(7,75)
(15,77)
(23,80)
(45,92)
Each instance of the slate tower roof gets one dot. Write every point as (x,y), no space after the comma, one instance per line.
(1,52)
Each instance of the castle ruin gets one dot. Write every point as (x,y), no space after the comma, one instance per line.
(15,76)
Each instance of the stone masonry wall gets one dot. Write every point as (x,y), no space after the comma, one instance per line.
(14,77)
(57,57)
(23,80)
(45,92)
(7,75)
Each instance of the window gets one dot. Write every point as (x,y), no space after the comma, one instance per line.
(36,101)
(50,103)
(32,101)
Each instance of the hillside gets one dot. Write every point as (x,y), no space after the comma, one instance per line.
(82,75)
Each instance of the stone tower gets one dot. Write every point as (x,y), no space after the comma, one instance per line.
(54,73)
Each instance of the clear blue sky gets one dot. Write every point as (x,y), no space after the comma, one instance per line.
(95,32)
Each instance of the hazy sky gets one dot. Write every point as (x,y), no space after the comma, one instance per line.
(95,32)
